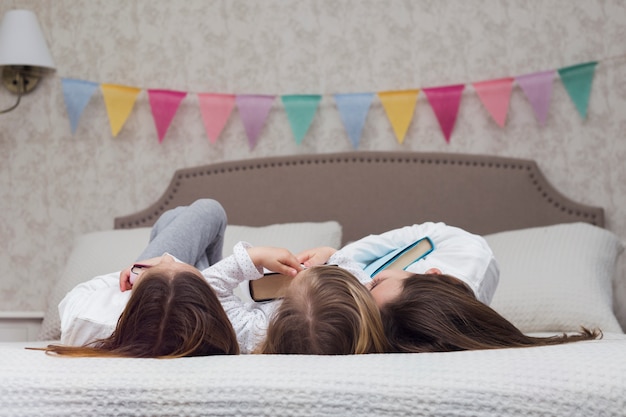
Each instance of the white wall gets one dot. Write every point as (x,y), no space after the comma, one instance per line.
(55,185)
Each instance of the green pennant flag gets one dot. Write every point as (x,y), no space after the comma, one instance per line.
(577,81)
(300,111)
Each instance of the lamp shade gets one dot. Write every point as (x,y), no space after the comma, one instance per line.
(22,42)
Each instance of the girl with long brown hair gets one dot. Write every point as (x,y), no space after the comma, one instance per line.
(440,313)
(172,312)
(325,309)
(439,300)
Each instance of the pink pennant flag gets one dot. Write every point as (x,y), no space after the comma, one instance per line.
(253,110)
(538,89)
(495,96)
(215,109)
(164,104)
(445,102)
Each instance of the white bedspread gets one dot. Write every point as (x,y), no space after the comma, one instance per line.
(581,379)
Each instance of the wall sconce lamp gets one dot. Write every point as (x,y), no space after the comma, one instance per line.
(24,54)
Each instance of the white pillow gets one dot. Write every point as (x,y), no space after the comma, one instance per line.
(294,236)
(107,251)
(557,278)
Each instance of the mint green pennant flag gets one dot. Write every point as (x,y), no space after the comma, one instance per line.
(300,110)
(577,81)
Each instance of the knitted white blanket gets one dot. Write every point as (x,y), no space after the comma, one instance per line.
(580,379)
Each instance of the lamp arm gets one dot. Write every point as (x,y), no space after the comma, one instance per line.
(19,82)
(19,97)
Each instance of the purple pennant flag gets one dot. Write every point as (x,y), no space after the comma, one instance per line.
(164,104)
(445,102)
(77,94)
(538,89)
(353,109)
(253,110)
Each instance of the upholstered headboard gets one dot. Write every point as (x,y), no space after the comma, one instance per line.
(371,192)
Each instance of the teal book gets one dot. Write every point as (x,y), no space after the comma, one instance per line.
(401,258)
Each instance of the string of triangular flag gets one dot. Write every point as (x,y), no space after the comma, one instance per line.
(353,108)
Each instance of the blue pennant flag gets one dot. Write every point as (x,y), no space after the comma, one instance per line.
(353,109)
(77,94)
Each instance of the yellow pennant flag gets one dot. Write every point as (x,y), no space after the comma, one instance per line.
(119,101)
(399,106)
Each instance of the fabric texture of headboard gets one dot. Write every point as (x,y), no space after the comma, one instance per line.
(371,192)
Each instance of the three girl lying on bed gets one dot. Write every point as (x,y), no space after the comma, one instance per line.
(183,300)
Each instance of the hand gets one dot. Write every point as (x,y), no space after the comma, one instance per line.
(316,256)
(125,283)
(278,260)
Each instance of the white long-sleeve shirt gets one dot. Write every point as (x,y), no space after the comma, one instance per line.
(91,309)
(456,252)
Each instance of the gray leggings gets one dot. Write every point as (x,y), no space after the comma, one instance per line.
(194,234)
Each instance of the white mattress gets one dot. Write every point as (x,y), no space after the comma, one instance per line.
(580,379)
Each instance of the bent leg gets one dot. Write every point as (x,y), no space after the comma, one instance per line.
(194,234)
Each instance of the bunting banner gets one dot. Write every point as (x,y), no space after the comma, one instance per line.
(538,90)
(577,81)
(164,104)
(253,110)
(353,109)
(300,111)
(119,101)
(399,106)
(215,110)
(495,96)
(445,102)
(76,94)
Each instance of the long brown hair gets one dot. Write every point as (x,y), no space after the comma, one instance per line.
(438,313)
(329,312)
(168,315)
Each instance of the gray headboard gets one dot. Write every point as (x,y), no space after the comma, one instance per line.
(371,192)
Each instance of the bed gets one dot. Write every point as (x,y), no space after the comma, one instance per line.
(557,261)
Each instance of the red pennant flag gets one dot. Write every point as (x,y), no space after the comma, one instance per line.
(495,96)
(445,102)
(215,109)
(164,104)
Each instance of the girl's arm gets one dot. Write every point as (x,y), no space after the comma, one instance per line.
(249,320)
(370,248)
(316,256)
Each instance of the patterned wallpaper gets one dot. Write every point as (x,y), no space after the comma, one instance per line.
(55,185)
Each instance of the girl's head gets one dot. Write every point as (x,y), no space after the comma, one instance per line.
(435,313)
(172,312)
(388,284)
(325,311)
